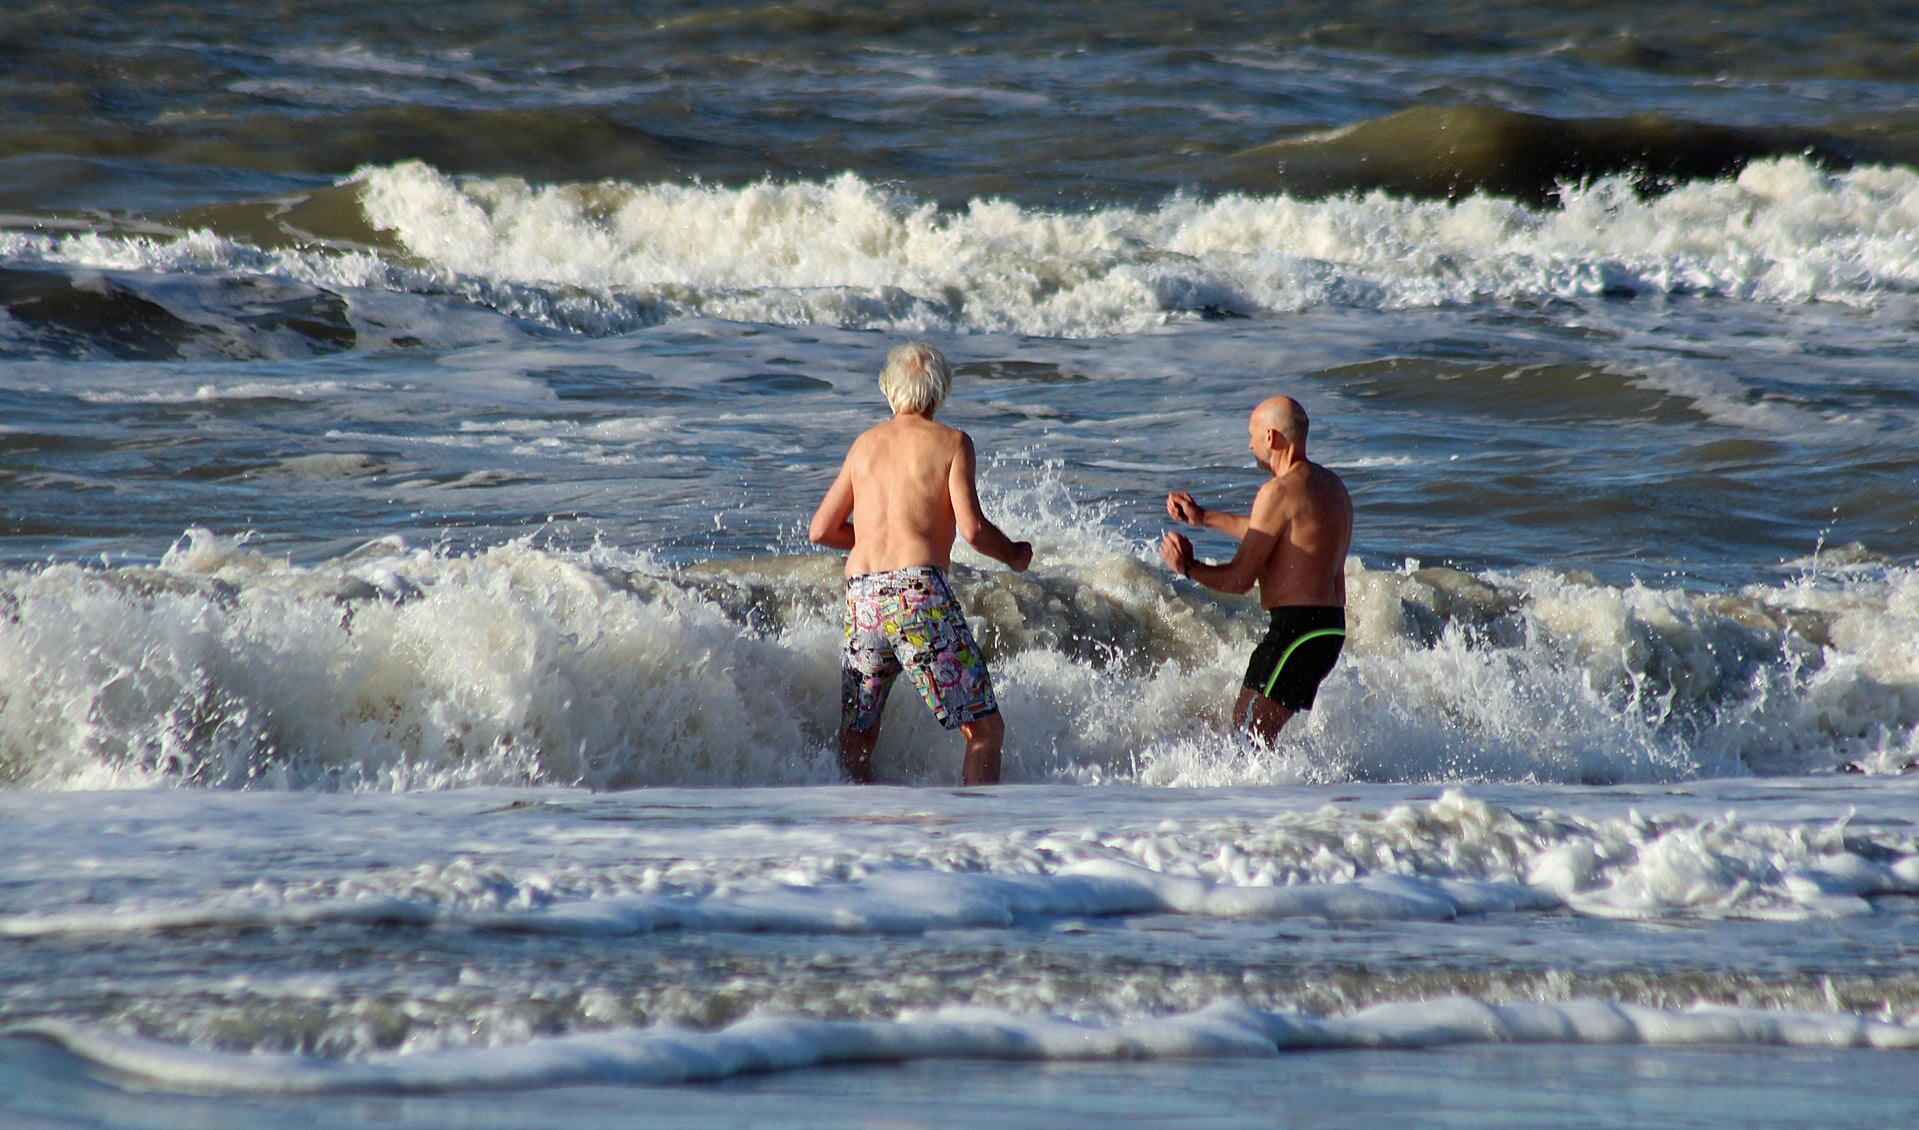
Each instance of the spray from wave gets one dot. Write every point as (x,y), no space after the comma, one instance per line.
(611,257)
(399,668)
(848,252)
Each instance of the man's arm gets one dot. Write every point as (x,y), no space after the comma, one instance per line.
(832,523)
(1181,508)
(969,518)
(1257,538)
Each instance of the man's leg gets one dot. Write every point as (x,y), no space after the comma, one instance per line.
(856,753)
(984,736)
(866,679)
(1260,716)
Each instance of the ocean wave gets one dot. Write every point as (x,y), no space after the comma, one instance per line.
(612,257)
(773,1043)
(404,668)
(1455,857)
(849,253)
(1451,152)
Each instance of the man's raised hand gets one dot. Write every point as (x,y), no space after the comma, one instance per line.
(1180,507)
(1177,552)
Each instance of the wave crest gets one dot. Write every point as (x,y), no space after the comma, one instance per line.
(610,257)
(397,668)
(848,253)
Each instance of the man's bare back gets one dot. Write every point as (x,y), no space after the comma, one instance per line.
(1293,545)
(912,482)
(911,485)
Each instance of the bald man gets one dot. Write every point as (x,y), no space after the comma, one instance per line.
(1293,545)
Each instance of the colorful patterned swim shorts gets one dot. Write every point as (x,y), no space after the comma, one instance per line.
(908,619)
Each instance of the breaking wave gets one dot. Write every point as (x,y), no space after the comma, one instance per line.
(763,1044)
(398,668)
(610,257)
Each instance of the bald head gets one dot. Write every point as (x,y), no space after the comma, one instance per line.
(1284,415)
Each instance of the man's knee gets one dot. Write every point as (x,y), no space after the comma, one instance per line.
(1260,715)
(990,727)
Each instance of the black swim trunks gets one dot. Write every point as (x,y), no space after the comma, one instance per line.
(1297,654)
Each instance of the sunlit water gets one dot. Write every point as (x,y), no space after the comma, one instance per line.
(414,677)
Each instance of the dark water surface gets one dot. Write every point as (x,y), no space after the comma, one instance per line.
(171,107)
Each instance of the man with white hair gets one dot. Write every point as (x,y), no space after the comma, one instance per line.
(910,481)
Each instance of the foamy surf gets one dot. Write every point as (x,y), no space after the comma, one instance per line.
(848,253)
(765,1044)
(400,667)
(613,257)
(1453,858)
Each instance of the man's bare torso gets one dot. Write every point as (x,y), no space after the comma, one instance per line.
(1307,565)
(901,473)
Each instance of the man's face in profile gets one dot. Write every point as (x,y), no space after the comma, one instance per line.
(1256,442)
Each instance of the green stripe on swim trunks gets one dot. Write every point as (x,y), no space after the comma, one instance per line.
(1288,654)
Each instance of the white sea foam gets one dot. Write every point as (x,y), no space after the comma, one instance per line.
(407,668)
(1438,861)
(773,1043)
(240,390)
(446,881)
(610,257)
(848,253)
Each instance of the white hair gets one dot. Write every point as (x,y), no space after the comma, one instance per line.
(916,378)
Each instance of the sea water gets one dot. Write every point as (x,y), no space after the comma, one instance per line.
(417,694)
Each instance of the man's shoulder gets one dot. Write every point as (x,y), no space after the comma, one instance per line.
(1273,502)
(1290,485)
(895,439)
(886,432)
(1307,485)
(935,434)
(935,427)
(1327,480)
